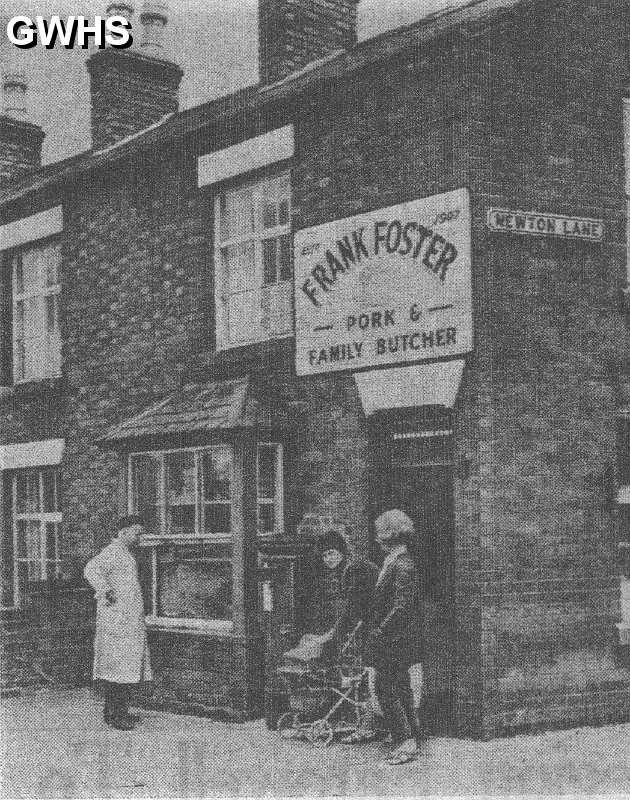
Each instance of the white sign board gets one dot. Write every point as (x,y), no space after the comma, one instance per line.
(506,220)
(388,287)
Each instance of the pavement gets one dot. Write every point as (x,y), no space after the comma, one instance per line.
(54,744)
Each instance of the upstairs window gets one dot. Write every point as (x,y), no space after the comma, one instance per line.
(36,289)
(254,264)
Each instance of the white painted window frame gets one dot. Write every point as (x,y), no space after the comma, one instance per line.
(43,518)
(259,188)
(278,500)
(39,293)
(152,542)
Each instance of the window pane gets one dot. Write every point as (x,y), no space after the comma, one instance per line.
(51,258)
(52,323)
(270,215)
(216,467)
(192,584)
(270,258)
(31,271)
(240,267)
(286,269)
(35,358)
(28,572)
(27,492)
(29,539)
(18,320)
(218,518)
(266,471)
(32,322)
(52,543)
(237,214)
(146,489)
(18,274)
(50,491)
(19,363)
(283,213)
(180,493)
(266,518)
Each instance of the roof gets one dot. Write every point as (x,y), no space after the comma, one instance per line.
(252,98)
(216,406)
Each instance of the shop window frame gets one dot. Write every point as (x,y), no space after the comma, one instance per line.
(151,541)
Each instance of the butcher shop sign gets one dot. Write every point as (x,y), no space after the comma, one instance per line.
(388,287)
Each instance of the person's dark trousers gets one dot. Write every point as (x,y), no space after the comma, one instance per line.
(116,700)
(393,689)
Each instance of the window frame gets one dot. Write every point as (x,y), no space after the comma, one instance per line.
(278,500)
(44,518)
(181,538)
(258,235)
(42,293)
(152,542)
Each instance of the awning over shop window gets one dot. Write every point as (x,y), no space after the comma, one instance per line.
(406,387)
(45,453)
(220,405)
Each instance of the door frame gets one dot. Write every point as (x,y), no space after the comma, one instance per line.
(389,431)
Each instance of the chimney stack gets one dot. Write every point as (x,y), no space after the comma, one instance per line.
(292,33)
(20,140)
(132,89)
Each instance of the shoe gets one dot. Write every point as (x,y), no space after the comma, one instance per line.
(359,737)
(398,757)
(120,723)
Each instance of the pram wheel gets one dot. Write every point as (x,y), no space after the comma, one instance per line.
(320,733)
(287,725)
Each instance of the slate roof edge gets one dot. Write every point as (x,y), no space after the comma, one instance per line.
(127,430)
(250,98)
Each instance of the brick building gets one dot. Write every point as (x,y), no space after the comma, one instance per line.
(158,355)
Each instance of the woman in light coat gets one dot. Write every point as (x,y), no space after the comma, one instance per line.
(121,655)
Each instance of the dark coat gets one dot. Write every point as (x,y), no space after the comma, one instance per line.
(357,587)
(396,620)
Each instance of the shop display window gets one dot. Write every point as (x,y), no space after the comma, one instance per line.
(186,499)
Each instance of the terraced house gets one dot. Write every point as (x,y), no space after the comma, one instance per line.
(390,274)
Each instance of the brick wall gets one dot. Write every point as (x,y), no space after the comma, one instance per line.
(21,147)
(294,33)
(129,92)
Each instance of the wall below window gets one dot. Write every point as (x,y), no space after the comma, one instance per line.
(203,674)
(49,644)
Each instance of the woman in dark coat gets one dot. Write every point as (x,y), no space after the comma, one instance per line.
(393,635)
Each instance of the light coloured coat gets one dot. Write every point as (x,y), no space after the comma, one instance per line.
(121,654)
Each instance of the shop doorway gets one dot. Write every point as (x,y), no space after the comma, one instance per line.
(413,471)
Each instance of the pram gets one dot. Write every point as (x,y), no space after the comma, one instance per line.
(325,699)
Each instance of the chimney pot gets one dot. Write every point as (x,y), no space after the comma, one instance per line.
(15,85)
(153,17)
(120,9)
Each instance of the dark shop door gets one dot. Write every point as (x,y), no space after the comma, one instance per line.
(416,475)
